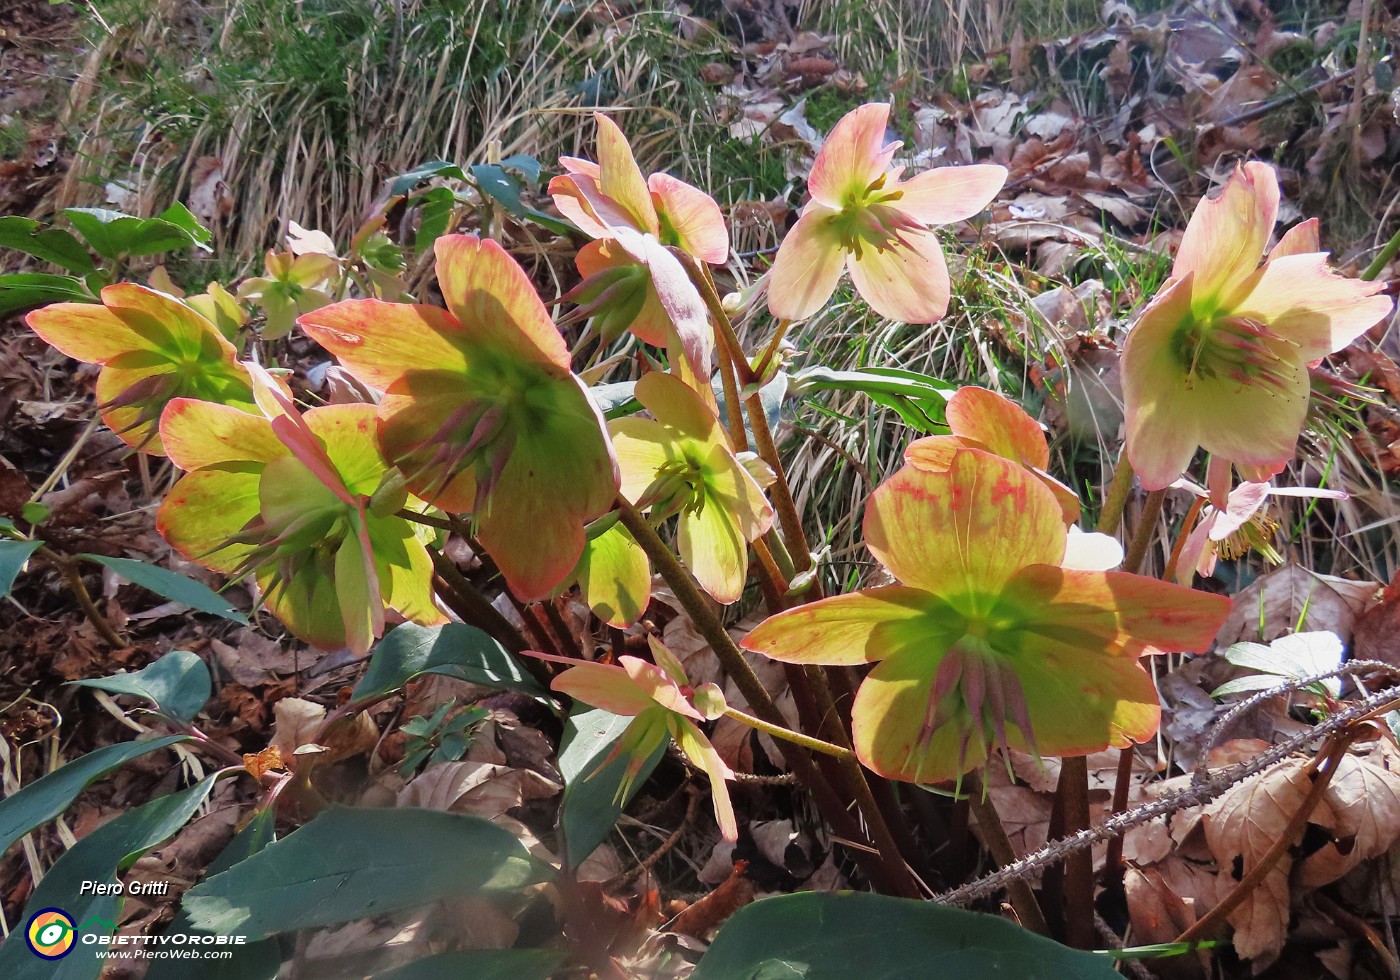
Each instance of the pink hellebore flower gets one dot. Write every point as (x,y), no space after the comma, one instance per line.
(663,706)
(989,640)
(1219,358)
(863,216)
(1234,529)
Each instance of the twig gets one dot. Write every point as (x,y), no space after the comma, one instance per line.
(474,607)
(691,807)
(73,578)
(1198,793)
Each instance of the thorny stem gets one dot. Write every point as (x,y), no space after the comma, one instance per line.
(885,869)
(787,734)
(1201,791)
(994,836)
(1324,767)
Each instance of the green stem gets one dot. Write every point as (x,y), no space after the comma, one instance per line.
(787,734)
(1116,499)
(1382,258)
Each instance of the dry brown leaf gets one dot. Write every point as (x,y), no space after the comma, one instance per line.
(714,909)
(261,763)
(1364,801)
(1240,827)
(1292,599)
(479,788)
(295,722)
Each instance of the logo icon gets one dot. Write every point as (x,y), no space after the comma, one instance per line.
(50,934)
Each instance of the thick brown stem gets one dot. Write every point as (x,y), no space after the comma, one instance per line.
(1072,802)
(994,836)
(1142,534)
(474,608)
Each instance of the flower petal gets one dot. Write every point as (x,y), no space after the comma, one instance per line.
(693,216)
(944,195)
(494,300)
(987,420)
(713,547)
(730,485)
(1112,613)
(603,686)
(615,576)
(807,266)
(620,178)
(699,750)
(888,718)
(1226,236)
(380,342)
(197,434)
(906,282)
(1303,301)
(306,604)
(1091,551)
(1301,239)
(207,507)
(853,157)
(405,571)
(642,447)
(1163,430)
(651,325)
(964,532)
(1274,417)
(933,453)
(673,403)
(857,628)
(574,196)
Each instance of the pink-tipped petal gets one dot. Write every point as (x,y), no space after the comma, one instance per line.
(998,425)
(1308,304)
(619,177)
(853,156)
(693,215)
(807,266)
(947,194)
(856,628)
(1226,236)
(1301,239)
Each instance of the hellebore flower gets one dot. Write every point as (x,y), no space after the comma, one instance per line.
(862,216)
(631,281)
(1219,358)
(983,419)
(152,348)
(297,501)
(614,574)
(679,462)
(989,641)
(663,706)
(294,284)
(481,411)
(1240,526)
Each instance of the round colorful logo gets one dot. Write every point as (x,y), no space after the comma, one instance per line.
(50,934)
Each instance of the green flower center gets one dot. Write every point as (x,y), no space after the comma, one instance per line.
(1234,348)
(869,219)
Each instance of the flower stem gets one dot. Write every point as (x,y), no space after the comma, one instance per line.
(994,836)
(1187,526)
(472,606)
(796,738)
(884,869)
(1142,534)
(1116,499)
(1382,258)
(73,578)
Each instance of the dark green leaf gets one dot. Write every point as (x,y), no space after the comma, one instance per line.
(50,795)
(251,961)
(353,863)
(405,182)
(112,234)
(835,936)
(501,186)
(454,650)
(46,244)
(13,555)
(183,218)
(437,205)
(525,165)
(171,585)
(480,964)
(178,683)
(588,812)
(100,857)
(25,290)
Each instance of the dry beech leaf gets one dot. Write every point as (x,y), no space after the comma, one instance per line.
(1241,827)
(295,722)
(1293,599)
(478,788)
(1364,801)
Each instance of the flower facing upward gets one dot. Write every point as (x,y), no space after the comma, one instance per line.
(663,705)
(989,641)
(152,348)
(481,411)
(1219,358)
(863,216)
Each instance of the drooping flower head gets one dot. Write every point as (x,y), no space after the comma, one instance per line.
(291,498)
(864,217)
(663,706)
(481,411)
(990,640)
(630,279)
(679,462)
(152,348)
(983,419)
(1219,358)
(1241,525)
